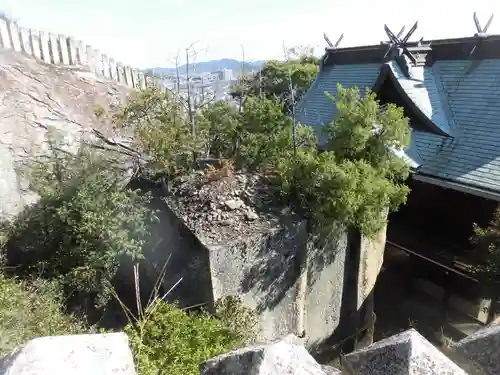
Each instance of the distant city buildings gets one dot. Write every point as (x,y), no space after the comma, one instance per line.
(202,87)
(225,75)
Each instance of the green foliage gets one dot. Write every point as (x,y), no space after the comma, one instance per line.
(257,137)
(221,124)
(486,250)
(30,310)
(84,223)
(358,177)
(174,342)
(274,78)
(351,183)
(162,129)
(262,124)
(366,131)
(241,321)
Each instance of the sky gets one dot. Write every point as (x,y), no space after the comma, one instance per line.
(149,33)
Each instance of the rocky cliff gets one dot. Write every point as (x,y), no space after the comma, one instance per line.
(37,98)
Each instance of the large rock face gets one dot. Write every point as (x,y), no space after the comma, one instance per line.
(71,355)
(36,98)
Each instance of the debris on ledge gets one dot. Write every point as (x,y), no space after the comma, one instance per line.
(227,209)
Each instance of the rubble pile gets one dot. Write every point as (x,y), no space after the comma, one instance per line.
(226,209)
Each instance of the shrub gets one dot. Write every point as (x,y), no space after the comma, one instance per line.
(85,221)
(29,310)
(169,340)
(263,123)
(221,123)
(240,320)
(162,131)
(486,253)
(349,183)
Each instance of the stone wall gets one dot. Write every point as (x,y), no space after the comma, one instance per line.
(294,285)
(187,276)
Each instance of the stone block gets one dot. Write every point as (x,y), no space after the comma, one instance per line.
(482,349)
(405,353)
(284,357)
(71,355)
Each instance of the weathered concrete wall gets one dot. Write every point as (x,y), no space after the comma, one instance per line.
(295,286)
(264,272)
(370,263)
(174,248)
(325,288)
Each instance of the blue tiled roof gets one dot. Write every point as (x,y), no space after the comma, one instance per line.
(459,97)
(413,154)
(473,95)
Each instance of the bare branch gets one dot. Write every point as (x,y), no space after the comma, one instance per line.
(292,97)
(177,72)
(206,102)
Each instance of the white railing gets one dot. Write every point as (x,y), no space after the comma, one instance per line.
(65,50)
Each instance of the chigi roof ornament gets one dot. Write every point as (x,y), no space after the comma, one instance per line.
(331,47)
(398,44)
(330,44)
(481,31)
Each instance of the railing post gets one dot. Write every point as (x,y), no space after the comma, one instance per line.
(4,33)
(45,47)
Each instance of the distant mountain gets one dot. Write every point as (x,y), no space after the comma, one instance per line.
(214,65)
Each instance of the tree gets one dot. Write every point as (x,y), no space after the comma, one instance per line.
(366,131)
(358,177)
(263,123)
(274,79)
(486,252)
(221,123)
(287,81)
(352,183)
(177,72)
(162,130)
(191,104)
